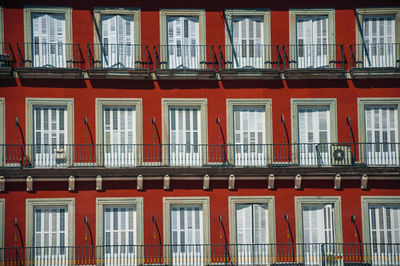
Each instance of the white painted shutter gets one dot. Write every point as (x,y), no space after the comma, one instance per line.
(119,226)
(244,228)
(378,33)
(318,223)
(186,226)
(50,125)
(48,38)
(184,135)
(50,230)
(381,132)
(249,125)
(183,38)
(312,39)
(384,224)
(109,39)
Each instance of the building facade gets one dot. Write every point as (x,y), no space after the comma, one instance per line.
(187,133)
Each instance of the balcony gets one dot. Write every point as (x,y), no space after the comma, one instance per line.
(314,61)
(119,61)
(201,155)
(347,254)
(379,60)
(249,62)
(185,62)
(49,60)
(6,60)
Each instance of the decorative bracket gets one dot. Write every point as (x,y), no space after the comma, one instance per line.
(99,183)
(337,182)
(271,181)
(297,181)
(139,182)
(29,183)
(71,183)
(167,182)
(206,182)
(231,182)
(364,182)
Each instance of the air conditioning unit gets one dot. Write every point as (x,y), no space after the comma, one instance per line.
(341,155)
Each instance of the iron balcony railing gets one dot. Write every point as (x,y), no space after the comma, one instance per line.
(207,254)
(256,56)
(375,55)
(119,56)
(314,56)
(201,155)
(181,57)
(7,57)
(50,55)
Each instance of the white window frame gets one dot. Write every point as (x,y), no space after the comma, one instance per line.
(133,12)
(28,10)
(312,12)
(50,202)
(230,14)
(312,102)
(237,200)
(310,200)
(264,103)
(366,201)
(364,102)
(101,203)
(204,202)
(201,103)
(119,102)
(361,12)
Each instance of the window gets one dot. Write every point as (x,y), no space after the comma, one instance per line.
(117,38)
(183,38)
(312,33)
(48,36)
(249,124)
(186,222)
(381,216)
(119,130)
(313,129)
(184,126)
(50,130)
(50,229)
(379,130)
(376,36)
(318,221)
(120,229)
(252,228)
(247,36)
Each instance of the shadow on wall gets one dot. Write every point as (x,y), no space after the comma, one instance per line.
(376,83)
(245,84)
(122,84)
(317,83)
(188,84)
(54,83)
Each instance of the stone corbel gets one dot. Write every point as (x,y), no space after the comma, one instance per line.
(99,183)
(29,183)
(71,183)
(337,183)
(297,181)
(167,182)
(139,182)
(2,184)
(206,182)
(364,182)
(231,182)
(271,181)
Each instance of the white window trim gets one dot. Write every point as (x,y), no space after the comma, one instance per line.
(28,10)
(189,201)
(183,102)
(268,200)
(366,201)
(306,200)
(133,12)
(361,12)
(2,222)
(2,131)
(119,102)
(200,13)
(314,102)
(120,202)
(30,103)
(363,102)
(50,202)
(265,13)
(293,13)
